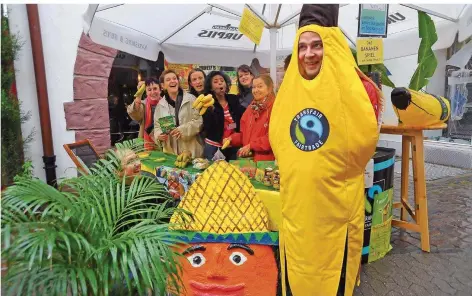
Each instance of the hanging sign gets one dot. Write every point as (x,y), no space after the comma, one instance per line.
(369,51)
(251,26)
(373,20)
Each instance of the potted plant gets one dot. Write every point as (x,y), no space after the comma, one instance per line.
(100,237)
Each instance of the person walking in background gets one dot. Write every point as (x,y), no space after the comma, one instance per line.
(245,77)
(196,81)
(223,119)
(254,134)
(176,108)
(144,113)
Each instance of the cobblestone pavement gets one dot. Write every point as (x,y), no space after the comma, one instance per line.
(447,270)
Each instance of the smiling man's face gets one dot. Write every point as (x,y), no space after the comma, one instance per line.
(219,269)
(310,54)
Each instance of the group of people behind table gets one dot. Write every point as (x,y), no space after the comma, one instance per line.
(241,119)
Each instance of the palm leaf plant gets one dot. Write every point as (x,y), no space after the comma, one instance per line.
(427,61)
(102,237)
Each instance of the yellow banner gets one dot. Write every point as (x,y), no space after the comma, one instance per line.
(251,26)
(369,51)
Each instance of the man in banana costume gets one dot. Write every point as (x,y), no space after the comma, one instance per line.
(323,132)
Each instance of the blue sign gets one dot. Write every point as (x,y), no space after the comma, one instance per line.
(373,20)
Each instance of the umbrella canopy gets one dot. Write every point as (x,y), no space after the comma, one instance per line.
(208,33)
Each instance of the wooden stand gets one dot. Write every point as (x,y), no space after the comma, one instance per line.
(412,136)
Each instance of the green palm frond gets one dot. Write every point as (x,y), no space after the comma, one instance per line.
(103,237)
(427,61)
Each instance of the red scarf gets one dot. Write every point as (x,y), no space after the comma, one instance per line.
(148,120)
(259,107)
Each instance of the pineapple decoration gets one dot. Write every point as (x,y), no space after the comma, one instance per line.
(229,247)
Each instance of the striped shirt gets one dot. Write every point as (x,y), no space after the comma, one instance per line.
(228,130)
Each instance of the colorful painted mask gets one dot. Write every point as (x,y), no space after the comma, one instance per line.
(229,250)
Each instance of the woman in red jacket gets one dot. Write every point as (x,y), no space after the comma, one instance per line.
(254,126)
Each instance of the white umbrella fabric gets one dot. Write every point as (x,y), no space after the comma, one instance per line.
(208,33)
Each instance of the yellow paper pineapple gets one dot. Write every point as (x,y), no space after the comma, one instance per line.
(223,200)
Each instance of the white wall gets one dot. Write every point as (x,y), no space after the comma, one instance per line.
(61,28)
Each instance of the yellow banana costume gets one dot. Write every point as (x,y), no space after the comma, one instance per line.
(419,108)
(324,134)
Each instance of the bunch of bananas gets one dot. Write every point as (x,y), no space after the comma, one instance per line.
(203,102)
(140,91)
(183,159)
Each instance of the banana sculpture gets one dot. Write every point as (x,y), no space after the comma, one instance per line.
(419,108)
(203,102)
(183,159)
(140,91)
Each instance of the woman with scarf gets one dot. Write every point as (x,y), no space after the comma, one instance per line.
(177,105)
(245,78)
(221,120)
(254,135)
(144,112)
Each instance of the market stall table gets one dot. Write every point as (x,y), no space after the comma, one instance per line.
(179,180)
(412,136)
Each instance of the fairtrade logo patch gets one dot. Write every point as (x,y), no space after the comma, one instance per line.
(309,129)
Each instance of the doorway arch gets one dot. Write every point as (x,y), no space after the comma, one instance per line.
(87,115)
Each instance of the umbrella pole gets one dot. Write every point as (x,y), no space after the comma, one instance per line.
(273,54)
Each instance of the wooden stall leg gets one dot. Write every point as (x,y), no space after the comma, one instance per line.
(406,143)
(421,203)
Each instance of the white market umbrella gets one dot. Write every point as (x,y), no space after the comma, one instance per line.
(207,33)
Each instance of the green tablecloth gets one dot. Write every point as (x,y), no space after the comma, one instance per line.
(153,161)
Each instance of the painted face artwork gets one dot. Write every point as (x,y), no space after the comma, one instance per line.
(229,245)
(223,269)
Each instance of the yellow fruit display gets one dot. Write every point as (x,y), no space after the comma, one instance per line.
(235,206)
